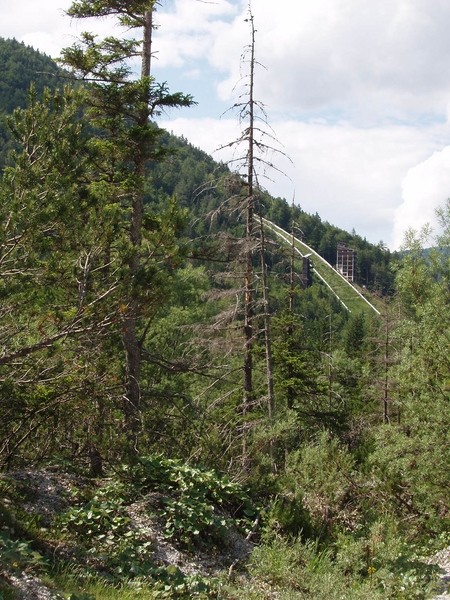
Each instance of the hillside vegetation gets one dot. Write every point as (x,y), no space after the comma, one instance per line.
(19,67)
(180,417)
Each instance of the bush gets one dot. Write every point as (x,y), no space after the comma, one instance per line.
(196,503)
(321,477)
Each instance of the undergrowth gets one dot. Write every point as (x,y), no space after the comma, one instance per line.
(94,550)
(196,504)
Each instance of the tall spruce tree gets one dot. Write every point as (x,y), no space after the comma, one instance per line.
(123,108)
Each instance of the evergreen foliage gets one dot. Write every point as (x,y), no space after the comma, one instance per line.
(117,237)
(20,66)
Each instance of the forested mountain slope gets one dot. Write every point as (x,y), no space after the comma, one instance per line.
(131,291)
(20,66)
(193,176)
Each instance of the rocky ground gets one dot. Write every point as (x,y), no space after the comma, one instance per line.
(30,588)
(442,559)
(51,493)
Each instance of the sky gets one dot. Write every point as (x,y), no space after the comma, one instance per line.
(356,94)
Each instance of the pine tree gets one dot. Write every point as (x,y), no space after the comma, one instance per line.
(123,109)
(55,310)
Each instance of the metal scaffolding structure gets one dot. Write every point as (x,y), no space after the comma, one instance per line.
(345,264)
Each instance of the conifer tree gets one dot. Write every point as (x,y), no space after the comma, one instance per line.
(52,242)
(123,109)
(254,141)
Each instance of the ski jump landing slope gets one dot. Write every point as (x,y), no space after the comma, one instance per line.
(347,294)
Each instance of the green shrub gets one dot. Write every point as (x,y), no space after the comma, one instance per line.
(321,478)
(102,518)
(385,560)
(18,554)
(196,503)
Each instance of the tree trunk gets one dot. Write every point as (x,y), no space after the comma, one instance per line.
(130,336)
(248,279)
(268,346)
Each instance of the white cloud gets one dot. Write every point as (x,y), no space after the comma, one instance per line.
(41,25)
(188,30)
(45,26)
(425,188)
(351,176)
(382,58)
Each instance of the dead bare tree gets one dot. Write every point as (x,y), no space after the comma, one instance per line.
(256,139)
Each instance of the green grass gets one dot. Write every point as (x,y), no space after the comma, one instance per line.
(74,589)
(72,584)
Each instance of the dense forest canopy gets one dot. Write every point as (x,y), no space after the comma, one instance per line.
(125,288)
(20,65)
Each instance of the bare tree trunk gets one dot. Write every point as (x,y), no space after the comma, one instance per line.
(147,43)
(248,279)
(132,398)
(290,327)
(252,135)
(268,344)
(386,375)
(130,335)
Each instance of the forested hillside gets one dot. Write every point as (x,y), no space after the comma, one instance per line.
(192,175)
(164,366)
(20,66)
